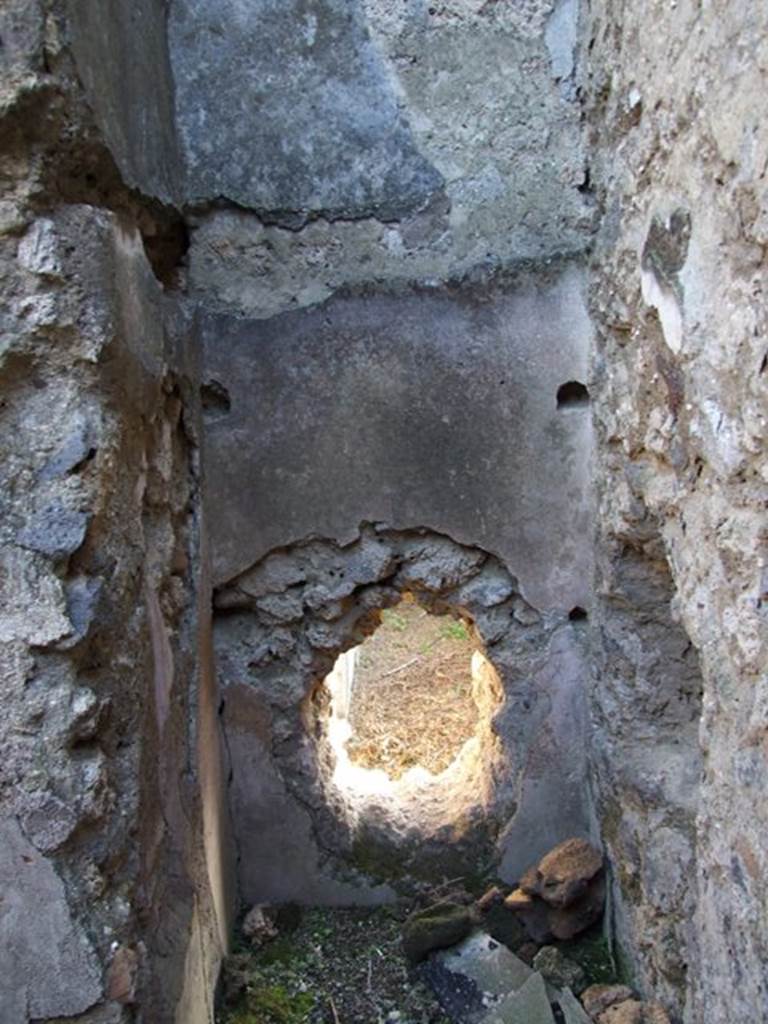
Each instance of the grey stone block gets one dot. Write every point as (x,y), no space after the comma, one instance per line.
(56,532)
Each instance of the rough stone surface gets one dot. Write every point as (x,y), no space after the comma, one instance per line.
(106,894)
(123,60)
(632,1011)
(598,998)
(558,970)
(562,875)
(490,966)
(349,153)
(465,100)
(566,922)
(437,927)
(298,815)
(408,225)
(529,1005)
(44,953)
(679,382)
(571,1008)
(504,926)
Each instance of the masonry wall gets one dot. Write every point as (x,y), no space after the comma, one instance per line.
(367,278)
(679,379)
(112,902)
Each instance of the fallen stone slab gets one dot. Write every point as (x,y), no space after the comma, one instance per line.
(572,1010)
(529,1005)
(490,965)
(459,997)
(473,976)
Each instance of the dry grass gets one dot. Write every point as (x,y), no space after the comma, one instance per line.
(412,702)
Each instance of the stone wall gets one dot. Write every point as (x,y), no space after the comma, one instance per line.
(679,381)
(275,272)
(110,900)
(516,790)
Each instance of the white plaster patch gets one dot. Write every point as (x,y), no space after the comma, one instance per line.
(38,249)
(665,302)
(561,36)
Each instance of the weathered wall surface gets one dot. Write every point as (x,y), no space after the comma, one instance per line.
(679,160)
(109,901)
(431,407)
(388,314)
(422,408)
(388,201)
(424,140)
(516,789)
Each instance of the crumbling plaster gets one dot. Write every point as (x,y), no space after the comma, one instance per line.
(300,835)
(427,407)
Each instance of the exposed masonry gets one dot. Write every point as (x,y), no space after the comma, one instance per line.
(279,628)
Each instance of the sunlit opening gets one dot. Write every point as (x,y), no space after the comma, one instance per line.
(405,703)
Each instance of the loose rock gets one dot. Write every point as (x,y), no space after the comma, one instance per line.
(566,922)
(598,998)
(562,876)
(257,926)
(437,927)
(558,970)
(632,1011)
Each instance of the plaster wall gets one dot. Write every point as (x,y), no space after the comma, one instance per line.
(421,408)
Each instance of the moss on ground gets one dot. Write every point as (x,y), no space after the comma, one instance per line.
(344,964)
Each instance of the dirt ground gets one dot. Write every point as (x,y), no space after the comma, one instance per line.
(330,966)
(412,701)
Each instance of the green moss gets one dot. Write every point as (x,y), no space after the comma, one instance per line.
(437,927)
(376,860)
(469,858)
(593,954)
(454,630)
(279,951)
(273,1004)
(624,970)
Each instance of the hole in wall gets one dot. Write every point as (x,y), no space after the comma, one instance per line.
(284,626)
(572,395)
(215,399)
(166,242)
(403,702)
(578,614)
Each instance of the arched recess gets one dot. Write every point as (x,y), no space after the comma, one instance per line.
(279,629)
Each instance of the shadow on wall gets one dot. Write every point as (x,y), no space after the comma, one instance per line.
(647,705)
